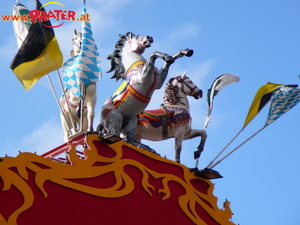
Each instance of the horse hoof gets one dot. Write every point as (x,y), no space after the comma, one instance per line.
(188,52)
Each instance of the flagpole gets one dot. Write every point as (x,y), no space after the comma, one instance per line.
(211,98)
(236,148)
(62,87)
(55,95)
(197,162)
(218,84)
(81,102)
(207,120)
(224,148)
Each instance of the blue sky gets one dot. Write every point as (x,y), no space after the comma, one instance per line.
(255,40)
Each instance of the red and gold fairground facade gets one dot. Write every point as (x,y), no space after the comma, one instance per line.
(107,183)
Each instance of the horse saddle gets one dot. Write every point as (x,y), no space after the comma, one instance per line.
(155,118)
(165,117)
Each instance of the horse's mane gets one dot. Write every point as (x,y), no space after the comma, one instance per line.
(116,57)
(171,93)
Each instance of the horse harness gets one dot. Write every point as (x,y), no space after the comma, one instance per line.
(65,100)
(126,89)
(183,80)
(167,117)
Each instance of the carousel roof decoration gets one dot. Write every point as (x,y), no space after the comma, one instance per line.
(99,173)
(100,176)
(111,183)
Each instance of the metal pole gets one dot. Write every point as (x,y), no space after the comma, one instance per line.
(236,148)
(83,93)
(197,162)
(57,100)
(62,87)
(206,123)
(224,148)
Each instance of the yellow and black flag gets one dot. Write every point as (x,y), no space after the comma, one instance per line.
(261,98)
(39,53)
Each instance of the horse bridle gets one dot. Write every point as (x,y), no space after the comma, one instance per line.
(183,80)
(77,45)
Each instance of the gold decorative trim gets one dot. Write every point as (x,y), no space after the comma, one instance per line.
(63,174)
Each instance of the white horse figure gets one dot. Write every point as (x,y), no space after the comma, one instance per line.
(78,114)
(173,119)
(141,78)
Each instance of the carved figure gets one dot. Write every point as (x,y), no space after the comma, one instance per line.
(78,111)
(141,78)
(173,119)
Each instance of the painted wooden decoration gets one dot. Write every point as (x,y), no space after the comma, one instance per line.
(114,183)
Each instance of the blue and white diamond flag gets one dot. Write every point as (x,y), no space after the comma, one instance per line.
(282,100)
(84,68)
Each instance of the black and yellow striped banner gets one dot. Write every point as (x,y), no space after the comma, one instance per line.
(38,55)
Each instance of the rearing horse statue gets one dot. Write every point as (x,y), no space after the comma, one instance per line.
(141,78)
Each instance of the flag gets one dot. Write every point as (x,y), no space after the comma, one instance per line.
(38,55)
(84,68)
(282,100)
(218,84)
(261,98)
(22,24)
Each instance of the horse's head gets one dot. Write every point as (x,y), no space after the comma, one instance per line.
(137,43)
(186,86)
(76,43)
(128,43)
